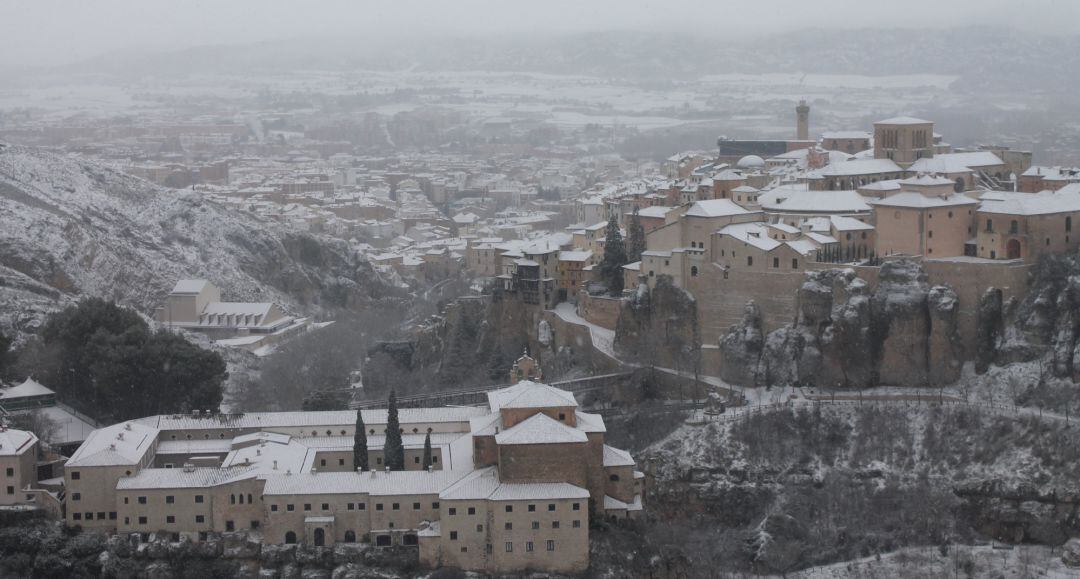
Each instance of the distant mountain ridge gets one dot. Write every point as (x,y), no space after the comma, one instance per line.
(71,228)
(984,56)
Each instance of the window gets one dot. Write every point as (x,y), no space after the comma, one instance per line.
(198,498)
(749,261)
(169,499)
(290,508)
(396,506)
(1014,226)
(528,547)
(76,496)
(290,538)
(10,471)
(930,234)
(472,510)
(576,506)
(273,508)
(989,225)
(536,525)
(509,508)
(614,478)
(112,515)
(200,519)
(551,507)
(416,460)
(76,516)
(307,506)
(509,547)
(550,545)
(378,506)
(435,505)
(341,462)
(693,271)
(451,511)
(74,475)
(350,506)
(170,519)
(479,528)
(554,524)
(776,263)
(416,506)
(453,535)
(326,506)
(361,506)
(322,462)
(576,524)
(794,263)
(562,416)
(142,520)
(1068,227)
(142,500)
(532,508)
(509,526)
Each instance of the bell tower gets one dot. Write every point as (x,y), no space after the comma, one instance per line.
(802,113)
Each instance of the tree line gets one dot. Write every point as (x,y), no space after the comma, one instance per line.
(393,448)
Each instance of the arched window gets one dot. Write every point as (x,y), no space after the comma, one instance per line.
(693,271)
(328,433)
(1014,226)
(320,537)
(232,499)
(241,499)
(249,498)
(350,536)
(290,538)
(1068,223)
(614,478)
(314,432)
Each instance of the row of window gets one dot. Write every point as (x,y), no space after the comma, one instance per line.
(354,507)
(510,508)
(314,433)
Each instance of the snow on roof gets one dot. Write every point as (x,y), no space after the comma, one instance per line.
(526,263)
(324,418)
(616,457)
(820,238)
(654,211)
(178,478)
(745,189)
(754,234)
(803,246)
(14,442)
(715,208)
(28,388)
(783,227)
(540,429)
(955,162)
(1034,204)
(575,255)
(843,223)
(915,200)
(119,444)
(927,179)
(903,121)
(814,202)
(883,185)
(636,266)
(528,394)
(190,286)
(374,483)
(860,167)
(590,422)
(485,484)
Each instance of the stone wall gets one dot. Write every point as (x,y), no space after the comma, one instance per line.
(600,310)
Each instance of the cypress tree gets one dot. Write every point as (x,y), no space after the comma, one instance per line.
(393,450)
(614,258)
(636,234)
(427,450)
(359,448)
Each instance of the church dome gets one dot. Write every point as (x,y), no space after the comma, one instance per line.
(751,162)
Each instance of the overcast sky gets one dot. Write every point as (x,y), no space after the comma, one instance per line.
(37,32)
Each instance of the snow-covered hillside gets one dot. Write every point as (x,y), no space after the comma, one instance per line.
(71,228)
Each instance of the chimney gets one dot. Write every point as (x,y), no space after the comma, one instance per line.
(188,467)
(388,470)
(430,469)
(313,470)
(275,465)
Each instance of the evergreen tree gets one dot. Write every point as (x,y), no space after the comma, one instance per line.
(5,346)
(359,445)
(636,236)
(614,258)
(427,450)
(393,450)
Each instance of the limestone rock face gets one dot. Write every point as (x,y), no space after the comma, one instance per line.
(844,336)
(945,358)
(740,348)
(902,321)
(659,327)
(989,322)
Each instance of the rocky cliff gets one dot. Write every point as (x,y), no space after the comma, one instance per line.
(1044,325)
(903,333)
(659,327)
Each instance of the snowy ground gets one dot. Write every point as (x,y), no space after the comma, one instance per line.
(985,561)
(603,339)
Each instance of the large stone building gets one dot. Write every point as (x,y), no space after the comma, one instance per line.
(511,486)
(18,464)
